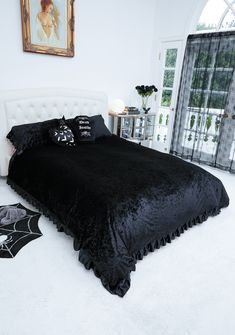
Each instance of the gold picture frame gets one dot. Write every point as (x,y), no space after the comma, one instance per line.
(48,26)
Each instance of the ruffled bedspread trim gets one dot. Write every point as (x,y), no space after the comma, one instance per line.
(122,287)
(150,247)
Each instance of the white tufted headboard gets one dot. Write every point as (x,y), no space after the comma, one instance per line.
(34,105)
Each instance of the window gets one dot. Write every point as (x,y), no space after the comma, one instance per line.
(169,76)
(211,79)
(217,15)
(169,63)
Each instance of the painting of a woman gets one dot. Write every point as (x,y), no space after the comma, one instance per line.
(48,26)
(48,22)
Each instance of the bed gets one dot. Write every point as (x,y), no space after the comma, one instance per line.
(117,199)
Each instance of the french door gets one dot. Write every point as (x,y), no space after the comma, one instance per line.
(170,59)
(205,122)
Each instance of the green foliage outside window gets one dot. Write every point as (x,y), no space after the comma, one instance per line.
(209,77)
(171,56)
(208,122)
(166,98)
(217,101)
(204,59)
(168,78)
(200,79)
(192,121)
(205,26)
(225,59)
(221,80)
(197,99)
(199,119)
(167,119)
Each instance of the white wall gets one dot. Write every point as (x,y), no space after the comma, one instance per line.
(174,20)
(179,17)
(116,45)
(113,49)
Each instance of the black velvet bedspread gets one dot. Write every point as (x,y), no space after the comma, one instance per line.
(119,200)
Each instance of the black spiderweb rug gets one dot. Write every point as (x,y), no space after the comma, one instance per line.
(18,227)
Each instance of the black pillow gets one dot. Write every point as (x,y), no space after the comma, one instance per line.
(31,135)
(83,128)
(62,135)
(100,128)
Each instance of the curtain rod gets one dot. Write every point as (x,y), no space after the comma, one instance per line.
(212,34)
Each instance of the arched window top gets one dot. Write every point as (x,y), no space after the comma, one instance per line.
(217,15)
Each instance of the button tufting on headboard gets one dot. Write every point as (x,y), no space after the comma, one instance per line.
(28,106)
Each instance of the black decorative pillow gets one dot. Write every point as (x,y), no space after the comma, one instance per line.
(83,128)
(62,135)
(100,128)
(31,135)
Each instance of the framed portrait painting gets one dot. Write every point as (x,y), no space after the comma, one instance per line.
(48,26)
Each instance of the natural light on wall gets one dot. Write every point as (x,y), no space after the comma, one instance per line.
(217,15)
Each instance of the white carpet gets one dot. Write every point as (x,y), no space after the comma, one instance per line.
(185,288)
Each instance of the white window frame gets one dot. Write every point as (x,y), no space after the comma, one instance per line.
(230,6)
(172,43)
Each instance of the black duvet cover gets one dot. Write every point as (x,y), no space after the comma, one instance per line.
(119,200)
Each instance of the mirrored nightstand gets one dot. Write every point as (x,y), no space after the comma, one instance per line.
(138,128)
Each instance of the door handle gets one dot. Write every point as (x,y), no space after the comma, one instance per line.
(225,115)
